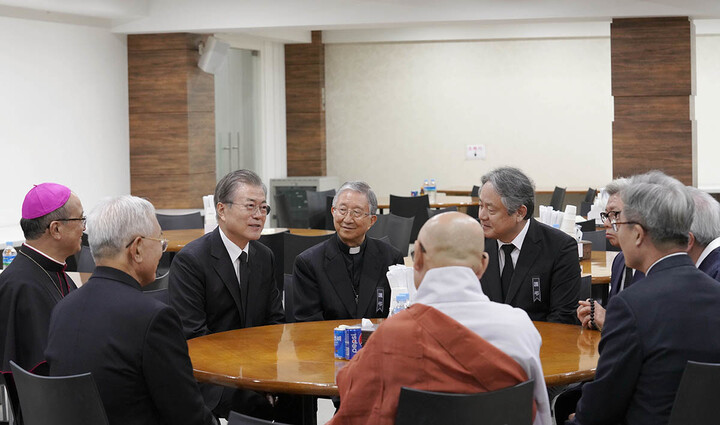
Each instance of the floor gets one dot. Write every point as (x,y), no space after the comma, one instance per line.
(325,411)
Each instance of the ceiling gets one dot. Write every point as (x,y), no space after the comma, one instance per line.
(295,18)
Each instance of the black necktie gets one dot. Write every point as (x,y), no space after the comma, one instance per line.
(244,272)
(507,270)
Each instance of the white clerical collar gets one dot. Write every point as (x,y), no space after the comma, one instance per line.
(44,255)
(708,249)
(659,260)
(519,239)
(232,249)
(354,250)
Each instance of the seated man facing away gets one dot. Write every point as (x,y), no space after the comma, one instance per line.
(704,247)
(345,276)
(53,223)
(415,348)
(132,343)
(653,328)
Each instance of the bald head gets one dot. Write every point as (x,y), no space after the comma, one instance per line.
(450,239)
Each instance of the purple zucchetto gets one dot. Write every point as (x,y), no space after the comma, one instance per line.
(43,199)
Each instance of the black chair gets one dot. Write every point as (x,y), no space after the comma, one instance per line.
(590,195)
(585,291)
(585,208)
(558,198)
(587,226)
(329,220)
(697,396)
(240,419)
(62,400)
(295,244)
(597,237)
(511,406)
(282,211)
(12,402)
(474,210)
(396,228)
(432,212)
(411,206)
(84,260)
(180,221)
(274,241)
(317,208)
(289,299)
(159,294)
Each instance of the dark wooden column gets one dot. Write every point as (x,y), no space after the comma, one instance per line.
(652,84)
(304,98)
(172,121)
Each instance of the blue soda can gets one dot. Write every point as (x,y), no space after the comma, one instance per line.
(339,339)
(353,341)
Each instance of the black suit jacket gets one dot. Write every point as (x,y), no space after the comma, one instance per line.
(134,347)
(205,291)
(204,288)
(323,290)
(617,272)
(651,330)
(711,264)
(548,255)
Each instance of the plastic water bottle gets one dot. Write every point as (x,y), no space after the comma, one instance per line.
(9,254)
(431,190)
(402,301)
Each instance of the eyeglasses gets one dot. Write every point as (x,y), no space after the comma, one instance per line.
(252,208)
(355,214)
(612,215)
(616,223)
(83,219)
(163,242)
(422,249)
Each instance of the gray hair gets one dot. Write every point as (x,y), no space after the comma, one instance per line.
(33,228)
(225,188)
(116,221)
(616,186)
(661,205)
(514,187)
(706,222)
(360,187)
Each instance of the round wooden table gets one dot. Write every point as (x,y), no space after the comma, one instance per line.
(299,358)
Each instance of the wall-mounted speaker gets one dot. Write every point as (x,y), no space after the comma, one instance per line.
(212,55)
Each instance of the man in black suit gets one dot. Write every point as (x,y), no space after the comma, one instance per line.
(543,274)
(653,328)
(621,276)
(344,277)
(704,246)
(131,343)
(224,280)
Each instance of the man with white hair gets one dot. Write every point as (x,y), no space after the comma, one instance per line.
(132,343)
(661,322)
(434,344)
(704,245)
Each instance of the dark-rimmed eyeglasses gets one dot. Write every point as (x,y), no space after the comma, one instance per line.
(612,215)
(355,214)
(615,224)
(163,241)
(252,208)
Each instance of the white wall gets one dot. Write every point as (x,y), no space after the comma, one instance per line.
(707,107)
(63,111)
(398,113)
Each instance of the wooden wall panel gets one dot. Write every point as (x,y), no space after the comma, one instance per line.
(305,112)
(172,121)
(652,89)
